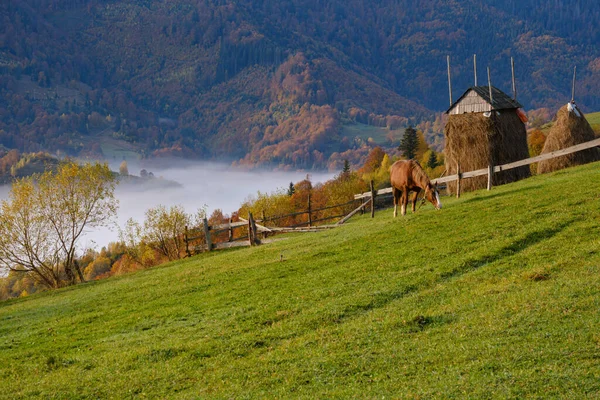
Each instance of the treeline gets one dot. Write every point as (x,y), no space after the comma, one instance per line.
(210,78)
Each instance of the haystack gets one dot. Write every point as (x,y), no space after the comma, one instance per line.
(570,128)
(476,141)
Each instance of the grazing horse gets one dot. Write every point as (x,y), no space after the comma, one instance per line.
(407,176)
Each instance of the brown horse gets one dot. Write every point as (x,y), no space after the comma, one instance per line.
(407,176)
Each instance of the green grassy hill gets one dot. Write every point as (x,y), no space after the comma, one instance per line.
(495,296)
(594,120)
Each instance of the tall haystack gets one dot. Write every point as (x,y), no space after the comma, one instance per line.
(483,131)
(570,128)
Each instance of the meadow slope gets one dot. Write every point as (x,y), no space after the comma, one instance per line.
(495,296)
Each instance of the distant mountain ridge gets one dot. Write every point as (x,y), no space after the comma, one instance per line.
(271,82)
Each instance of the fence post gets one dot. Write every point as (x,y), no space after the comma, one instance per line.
(250,233)
(458,178)
(373,194)
(230,230)
(207,234)
(264,220)
(187,242)
(255,239)
(309,212)
(490,176)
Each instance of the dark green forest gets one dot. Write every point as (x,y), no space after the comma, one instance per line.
(273,83)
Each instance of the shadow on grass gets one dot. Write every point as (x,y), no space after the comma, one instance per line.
(515,247)
(382,299)
(497,195)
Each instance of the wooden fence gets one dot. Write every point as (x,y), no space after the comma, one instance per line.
(489,171)
(201,238)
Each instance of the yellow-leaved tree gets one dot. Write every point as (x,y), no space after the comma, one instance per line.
(45,217)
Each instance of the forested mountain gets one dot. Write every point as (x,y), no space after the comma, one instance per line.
(275,82)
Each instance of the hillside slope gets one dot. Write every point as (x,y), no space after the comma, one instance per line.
(495,296)
(214,79)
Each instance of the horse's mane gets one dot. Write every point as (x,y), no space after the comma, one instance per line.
(419,174)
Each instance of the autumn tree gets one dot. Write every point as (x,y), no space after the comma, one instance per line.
(536,142)
(162,231)
(43,221)
(408,145)
(123,170)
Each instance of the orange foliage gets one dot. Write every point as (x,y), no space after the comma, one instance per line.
(373,161)
(536,140)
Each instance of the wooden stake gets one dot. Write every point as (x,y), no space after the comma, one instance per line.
(449,81)
(475,67)
(250,234)
(458,178)
(187,243)
(573,87)
(207,234)
(514,85)
(490,176)
(230,231)
(373,194)
(309,212)
(264,220)
(255,238)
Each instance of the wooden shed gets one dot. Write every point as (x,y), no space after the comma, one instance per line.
(485,127)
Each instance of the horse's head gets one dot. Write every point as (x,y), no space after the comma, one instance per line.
(433,196)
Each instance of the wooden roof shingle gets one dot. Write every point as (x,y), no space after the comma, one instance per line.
(501,101)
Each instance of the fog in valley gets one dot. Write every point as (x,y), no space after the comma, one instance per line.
(216,185)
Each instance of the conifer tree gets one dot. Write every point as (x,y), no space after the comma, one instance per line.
(409,143)
(432,160)
(346,168)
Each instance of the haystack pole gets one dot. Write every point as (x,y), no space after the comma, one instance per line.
(449,80)
(573,86)
(514,85)
(475,67)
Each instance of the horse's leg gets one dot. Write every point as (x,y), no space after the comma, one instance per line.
(404,201)
(414,200)
(396,194)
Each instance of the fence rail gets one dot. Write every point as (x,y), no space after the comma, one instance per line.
(202,238)
(499,168)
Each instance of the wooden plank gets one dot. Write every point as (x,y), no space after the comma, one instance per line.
(347,217)
(304,229)
(368,194)
(328,218)
(334,206)
(260,228)
(548,156)
(228,225)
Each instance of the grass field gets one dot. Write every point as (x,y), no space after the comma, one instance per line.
(363,131)
(594,120)
(495,296)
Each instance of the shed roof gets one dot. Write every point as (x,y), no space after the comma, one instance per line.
(501,100)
